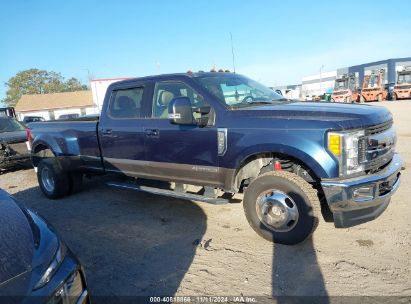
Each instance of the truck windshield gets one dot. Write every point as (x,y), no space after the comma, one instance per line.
(238,91)
(372,81)
(10,125)
(340,84)
(404,78)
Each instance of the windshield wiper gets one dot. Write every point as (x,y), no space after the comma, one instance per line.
(281,99)
(259,102)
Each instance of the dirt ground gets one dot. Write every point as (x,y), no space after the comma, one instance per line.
(139,244)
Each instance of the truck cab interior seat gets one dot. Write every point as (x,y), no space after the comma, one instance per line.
(164,100)
(126,107)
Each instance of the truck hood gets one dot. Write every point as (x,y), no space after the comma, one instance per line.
(334,115)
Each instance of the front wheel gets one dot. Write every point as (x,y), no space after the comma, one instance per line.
(53,180)
(282,207)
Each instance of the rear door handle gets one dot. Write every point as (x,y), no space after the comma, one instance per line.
(106,131)
(152,132)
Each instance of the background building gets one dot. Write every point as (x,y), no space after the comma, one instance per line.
(52,106)
(319,83)
(314,85)
(289,91)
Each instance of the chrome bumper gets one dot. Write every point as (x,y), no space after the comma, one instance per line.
(358,200)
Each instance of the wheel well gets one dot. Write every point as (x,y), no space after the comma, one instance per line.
(40,152)
(261,163)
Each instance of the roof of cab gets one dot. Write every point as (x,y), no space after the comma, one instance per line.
(171,75)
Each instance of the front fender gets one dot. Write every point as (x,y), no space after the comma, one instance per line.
(307,146)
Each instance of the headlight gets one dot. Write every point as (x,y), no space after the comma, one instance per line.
(54,265)
(344,146)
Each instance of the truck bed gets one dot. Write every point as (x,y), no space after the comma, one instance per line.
(74,139)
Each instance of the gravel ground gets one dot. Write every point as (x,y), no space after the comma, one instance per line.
(139,244)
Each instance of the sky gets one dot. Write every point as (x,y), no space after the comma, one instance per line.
(275,42)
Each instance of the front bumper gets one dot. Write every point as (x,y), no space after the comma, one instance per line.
(358,200)
(403,95)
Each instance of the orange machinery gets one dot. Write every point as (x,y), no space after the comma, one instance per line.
(402,89)
(346,89)
(373,88)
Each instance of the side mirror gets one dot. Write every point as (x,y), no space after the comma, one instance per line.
(180,112)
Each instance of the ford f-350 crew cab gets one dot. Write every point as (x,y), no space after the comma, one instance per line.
(227,134)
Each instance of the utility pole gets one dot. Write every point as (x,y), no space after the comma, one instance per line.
(89,76)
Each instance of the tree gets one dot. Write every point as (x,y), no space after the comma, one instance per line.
(73,84)
(35,81)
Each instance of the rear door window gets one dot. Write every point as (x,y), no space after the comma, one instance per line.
(126,103)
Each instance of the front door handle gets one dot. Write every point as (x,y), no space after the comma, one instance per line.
(152,132)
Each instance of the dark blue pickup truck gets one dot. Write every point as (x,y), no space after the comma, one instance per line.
(228,134)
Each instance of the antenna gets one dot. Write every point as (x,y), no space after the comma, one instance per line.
(232,51)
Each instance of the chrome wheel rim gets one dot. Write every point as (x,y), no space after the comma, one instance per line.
(47,179)
(277,210)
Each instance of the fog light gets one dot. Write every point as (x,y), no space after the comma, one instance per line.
(363,193)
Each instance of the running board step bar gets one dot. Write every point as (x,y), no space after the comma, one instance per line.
(171,193)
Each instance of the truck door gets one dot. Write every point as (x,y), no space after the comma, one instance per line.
(181,153)
(121,129)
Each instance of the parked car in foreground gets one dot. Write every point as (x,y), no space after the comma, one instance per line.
(29,119)
(13,147)
(8,111)
(68,116)
(36,266)
(228,134)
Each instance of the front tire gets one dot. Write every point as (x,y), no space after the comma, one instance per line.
(53,180)
(282,207)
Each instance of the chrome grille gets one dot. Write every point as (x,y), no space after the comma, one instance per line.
(376,149)
(362,150)
(379,128)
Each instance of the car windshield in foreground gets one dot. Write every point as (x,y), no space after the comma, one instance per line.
(236,91)
(10,125)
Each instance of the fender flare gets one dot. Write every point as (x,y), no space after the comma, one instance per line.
(48,142)
(295,153)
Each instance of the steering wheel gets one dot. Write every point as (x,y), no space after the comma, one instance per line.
(247,99)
